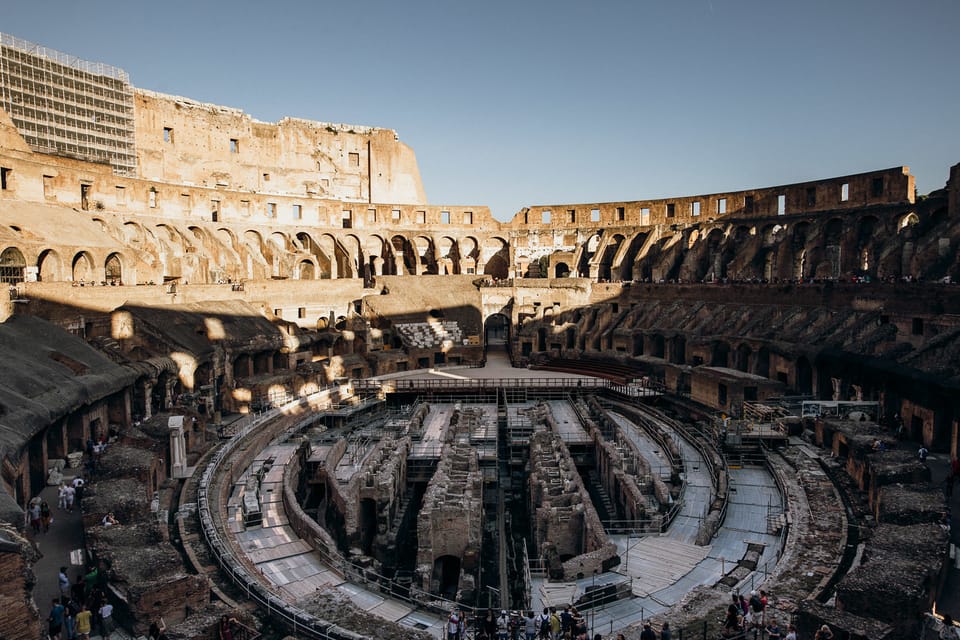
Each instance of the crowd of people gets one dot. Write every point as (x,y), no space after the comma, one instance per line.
(550,624)
(81,608)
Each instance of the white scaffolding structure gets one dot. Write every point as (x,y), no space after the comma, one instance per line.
(66,106)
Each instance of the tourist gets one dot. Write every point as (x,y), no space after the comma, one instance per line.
(78,485)
(35,519)
(665,631)
(62,496)
(77,590)
(773,630)
(543,624)
(823,633)
(530,626)
(503,625)
(106,619)
(791,632)
(225,629)
(55,619)
(733,623)
(109,520)
(63,581)
(90,582)
(453,625)
(157,630)
(46,516)
(922,454)
(555,624)
(70,619)
(70,496)
(647,633)
(83,623)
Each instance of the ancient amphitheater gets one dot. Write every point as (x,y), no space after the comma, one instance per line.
(333,410)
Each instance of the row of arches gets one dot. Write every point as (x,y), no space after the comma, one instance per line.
(201,254)
(52,267)
(778,250)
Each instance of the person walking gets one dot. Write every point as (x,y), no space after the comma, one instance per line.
(84,625)
(55,619)
(63,582)
(35,518)
(46,516)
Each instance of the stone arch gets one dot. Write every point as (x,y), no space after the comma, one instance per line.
(306,270)
(496,258)
(448,255)
(804,376)
(762,363)
(628,253)
(379,258)
(113,269)
(831,266)
(49,266)
(607,257)
(82,267)
(867,227)
(585,252)
(469,254)
(321,259)
(255,256)
(353,255)
(133,233)
(496,330)
(13,266)
(404,255)
(561,270)
(907,220)
(719,354)
(742,357)
(713,266)
(426,254)
(657,345)
(798,247)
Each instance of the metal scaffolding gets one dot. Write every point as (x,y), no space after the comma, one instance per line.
(67,106)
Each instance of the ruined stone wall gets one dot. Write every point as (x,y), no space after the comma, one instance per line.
(548,222)
(19,617)
(451,516)
(183,141)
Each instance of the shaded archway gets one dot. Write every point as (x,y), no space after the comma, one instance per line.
(561,270)
(496,330)
(82,268)
(113,269)
(446,575)
(49,267)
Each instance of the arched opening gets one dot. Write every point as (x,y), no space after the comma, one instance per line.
(305,270)
(12,266)
(571,338)
(804,376)
(113,270)
(496,331)
(720,354)
(368,523)
(743,357)
(678,350)
(446,575)
(83,268)
(605,270)
(656,345)
(49,268)
(541,339)
(587,250)
(561,270)
(637,345)
(763,362)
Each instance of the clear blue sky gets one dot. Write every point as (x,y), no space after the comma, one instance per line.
(511,104)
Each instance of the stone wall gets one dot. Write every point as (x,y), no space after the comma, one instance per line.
(19,617)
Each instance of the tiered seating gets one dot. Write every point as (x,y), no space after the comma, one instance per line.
(426,335)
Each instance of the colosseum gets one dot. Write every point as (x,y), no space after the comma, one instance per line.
(301,397)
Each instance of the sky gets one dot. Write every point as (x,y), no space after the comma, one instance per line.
(528,102)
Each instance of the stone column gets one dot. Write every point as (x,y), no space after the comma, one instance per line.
(178,448)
